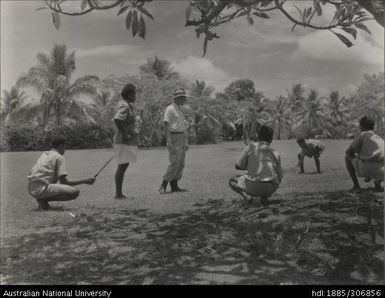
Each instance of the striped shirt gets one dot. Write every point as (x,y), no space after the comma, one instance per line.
(313,148)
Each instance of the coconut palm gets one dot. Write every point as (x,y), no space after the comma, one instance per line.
(59,98)
(199,88)
(295,98)
(12,102)
(313,115)
(208,114)
(281,115)
(338,113)
(161,68)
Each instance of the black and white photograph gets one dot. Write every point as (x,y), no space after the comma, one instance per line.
(192,142)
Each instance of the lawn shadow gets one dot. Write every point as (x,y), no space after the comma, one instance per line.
(305,238)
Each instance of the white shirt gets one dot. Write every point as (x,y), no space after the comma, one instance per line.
(48,168)
(174,116)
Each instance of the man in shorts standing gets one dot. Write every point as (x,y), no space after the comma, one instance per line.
(126,136)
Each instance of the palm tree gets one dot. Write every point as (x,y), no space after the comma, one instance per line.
(161,68)
(295,100)
(12,102)
(338,112)
(199,88)
(313,114)
(281,115)
(51,78)
(209,113)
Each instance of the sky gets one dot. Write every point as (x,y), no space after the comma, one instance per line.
(268,52)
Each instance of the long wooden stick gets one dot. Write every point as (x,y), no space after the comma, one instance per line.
(108,161)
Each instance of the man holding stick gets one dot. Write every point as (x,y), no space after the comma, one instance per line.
(126,136)
(50,169)
(175,126)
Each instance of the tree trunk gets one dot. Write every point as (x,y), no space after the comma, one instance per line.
(58,113)
(279,130)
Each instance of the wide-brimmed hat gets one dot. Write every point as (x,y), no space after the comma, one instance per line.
(179,93)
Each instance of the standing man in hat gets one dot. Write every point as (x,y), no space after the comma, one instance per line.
(176,126)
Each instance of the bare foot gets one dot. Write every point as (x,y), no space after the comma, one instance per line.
(43,205)
(121,197)
(355,189)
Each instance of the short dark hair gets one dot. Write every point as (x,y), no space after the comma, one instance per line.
(57,140)
(367,123)
(127,91)
(300,140)
(265,133)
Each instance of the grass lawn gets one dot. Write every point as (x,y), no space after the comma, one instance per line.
(312,232)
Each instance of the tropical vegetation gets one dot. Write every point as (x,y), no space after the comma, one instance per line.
(90,102)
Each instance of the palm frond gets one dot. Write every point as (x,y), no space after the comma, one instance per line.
(32,80)
(83,89)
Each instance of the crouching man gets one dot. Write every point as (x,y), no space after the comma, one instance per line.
(263,168)
(48,170)
(365,156)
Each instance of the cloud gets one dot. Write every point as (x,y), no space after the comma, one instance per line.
(109,51)
(195,68)
(323,45)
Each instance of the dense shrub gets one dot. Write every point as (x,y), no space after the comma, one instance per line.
(79,136)
(208,135)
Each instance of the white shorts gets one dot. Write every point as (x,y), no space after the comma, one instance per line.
(125,153)
(368,169)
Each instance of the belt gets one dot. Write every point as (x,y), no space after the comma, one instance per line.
(176,132)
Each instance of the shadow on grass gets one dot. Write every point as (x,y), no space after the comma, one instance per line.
(307,238)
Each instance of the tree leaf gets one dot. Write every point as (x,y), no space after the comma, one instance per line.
(146,12)
(56,19)
(363,27)
(142,28)
(188,11)
(123,9)
(351,31)
(83,5)
(308,12)
(317,7)
(41,8)
(135,23)
(261,14)
(129,20)
(346,41)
